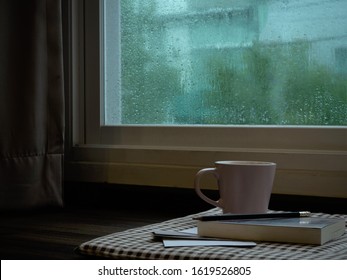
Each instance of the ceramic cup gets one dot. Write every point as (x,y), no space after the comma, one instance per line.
(244,186)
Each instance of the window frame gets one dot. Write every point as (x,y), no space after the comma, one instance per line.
(311,160)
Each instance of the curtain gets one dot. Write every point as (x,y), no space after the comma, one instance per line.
(31,104)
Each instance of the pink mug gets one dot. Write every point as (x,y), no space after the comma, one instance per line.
(244,186)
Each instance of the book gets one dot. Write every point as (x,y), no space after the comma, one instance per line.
(308,230)
(202,242)
(189,238)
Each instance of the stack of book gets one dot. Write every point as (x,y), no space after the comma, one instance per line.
(244,230)
(292,227)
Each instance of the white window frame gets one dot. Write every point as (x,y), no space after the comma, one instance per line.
(310,160)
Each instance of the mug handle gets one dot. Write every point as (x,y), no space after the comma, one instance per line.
(198,177)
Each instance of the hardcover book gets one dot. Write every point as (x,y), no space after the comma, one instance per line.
(308,230)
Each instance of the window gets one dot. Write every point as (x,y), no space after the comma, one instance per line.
(225,62)
(117,141)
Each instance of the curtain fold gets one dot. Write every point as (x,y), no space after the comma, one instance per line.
(31,104)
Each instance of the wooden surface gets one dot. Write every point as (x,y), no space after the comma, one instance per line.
(96,210)
(55,234)
(90,212)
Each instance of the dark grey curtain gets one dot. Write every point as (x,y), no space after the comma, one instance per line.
(31,103)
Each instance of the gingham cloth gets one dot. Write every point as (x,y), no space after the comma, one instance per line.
(138,243)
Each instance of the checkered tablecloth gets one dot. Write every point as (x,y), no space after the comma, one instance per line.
(138,243)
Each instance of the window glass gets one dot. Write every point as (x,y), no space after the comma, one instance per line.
(225,62)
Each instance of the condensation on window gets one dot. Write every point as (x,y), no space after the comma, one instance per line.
(223,62)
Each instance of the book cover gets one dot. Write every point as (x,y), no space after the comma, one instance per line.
(308,230)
